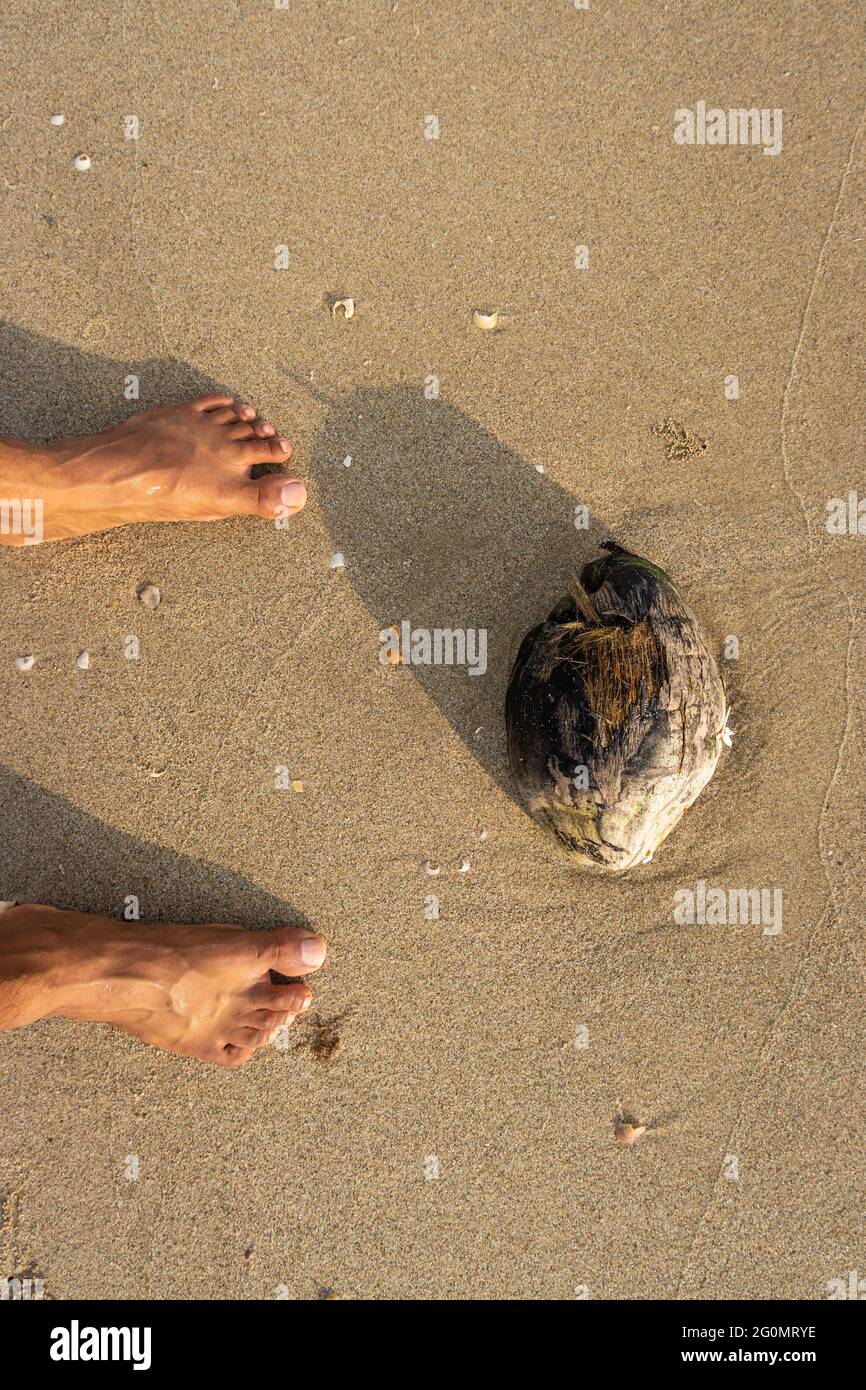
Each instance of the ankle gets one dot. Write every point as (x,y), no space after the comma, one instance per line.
(30,489)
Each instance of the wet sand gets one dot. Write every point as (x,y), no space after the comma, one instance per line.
(316,1168)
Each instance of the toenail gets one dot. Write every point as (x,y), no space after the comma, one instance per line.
(305,1003)
(313,950)
(294,494)
(284,444)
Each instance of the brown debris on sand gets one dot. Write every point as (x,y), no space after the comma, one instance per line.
(680,444)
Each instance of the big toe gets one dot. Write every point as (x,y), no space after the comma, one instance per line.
(291,950)
(274,495)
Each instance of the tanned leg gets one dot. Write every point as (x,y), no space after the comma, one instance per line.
(188,462)
(203,991)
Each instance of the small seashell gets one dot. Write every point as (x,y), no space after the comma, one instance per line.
(149,595)
(627,1134)
(25,663)
(539,468)
(346,305)
(297,786)
(337,561)
(431,868)
(465,866)
(82,162)
(58,119)
(347,461)
(486,322)
(152,772)
(727,736)
(82,661)
(394,656)
(484,835)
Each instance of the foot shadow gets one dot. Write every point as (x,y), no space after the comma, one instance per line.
(443,525)
(49,389)
(54,853)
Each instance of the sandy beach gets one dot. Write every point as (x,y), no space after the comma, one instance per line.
(443,1127)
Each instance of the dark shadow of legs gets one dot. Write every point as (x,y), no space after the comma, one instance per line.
(444,526)
(48,389)
(51,852)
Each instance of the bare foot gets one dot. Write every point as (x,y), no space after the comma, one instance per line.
(204,991)
(188,462)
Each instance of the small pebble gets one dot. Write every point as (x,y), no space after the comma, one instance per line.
(627,1134)
(484,834)
(82,162)
(150,596)
(25,663)
(337,560)
(82,661)
(58,119)
(539,468)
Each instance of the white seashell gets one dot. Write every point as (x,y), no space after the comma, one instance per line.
(539,468)
(465,866)
(347,461)
(431,868)
(150,596)
(347,306)
(727,736)
(58,119)
(82,661)
(627,1134)
(82,162)
(337,560)
(484,835)
(25,663)
(486,322)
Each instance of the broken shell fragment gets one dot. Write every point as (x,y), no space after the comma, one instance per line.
(82,162)
(432,868)
(297,786)
(344,307)
(337,560)
(627,1134)
(82,661)
(58,119)
(150,596)
(486,322)
(392,654)
(465,866)
(25,663)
